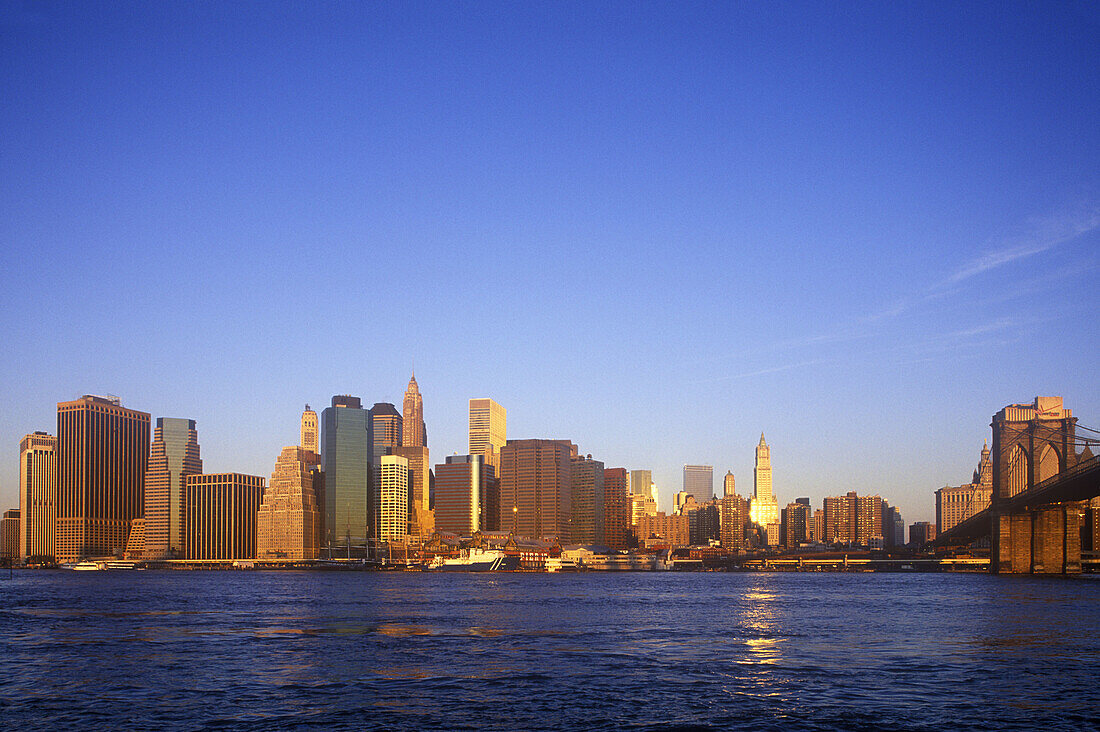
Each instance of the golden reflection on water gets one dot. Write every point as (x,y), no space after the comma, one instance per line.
(760,619)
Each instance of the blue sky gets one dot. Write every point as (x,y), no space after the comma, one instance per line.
(654,229)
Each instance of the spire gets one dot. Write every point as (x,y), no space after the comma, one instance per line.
(762,439)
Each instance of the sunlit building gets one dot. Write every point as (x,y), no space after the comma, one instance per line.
(102,456)
(414,432)
(459,485)
(393,501)
(763,508)
(288,523)
(309,434)
(173,456)
(587,501)
(37,496)
(955,504)
(488,430)
(384,431)
(641,484)
(673,529)
(535,488)
(9,535)
(729,484)
(222,514)
(735,515)
(616,508)
(797,520)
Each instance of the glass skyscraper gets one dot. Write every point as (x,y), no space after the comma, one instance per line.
(345,459)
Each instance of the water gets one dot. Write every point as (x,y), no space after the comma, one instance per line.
(335,650)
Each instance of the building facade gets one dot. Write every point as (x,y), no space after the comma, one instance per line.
(488,430)
(288,522)
(764,507)
(459,485)
(797,520)
(535,488)
(37,497)
(9,535)
(385,428)
(699,482)
(393,498)
(414,433)
(921,533)
(345,460)
(222,511)
(616,508)
(173,456)
(673,529)
(641,484)
(309,434)
(955,504)
(586,521)
(102,456)
(735,515)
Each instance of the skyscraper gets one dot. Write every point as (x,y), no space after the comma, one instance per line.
(729,484)
(102,456)
(37,496)
(174,456)
(308,438)
(616,508)
(288,522)
(459,484)
(393,501)
(413,431)
(488,430)
(699,482)
(735,515)
(419,468)
(641,484)
(222,511)
(384,430)
(535,489)
(586,501)
(345,460)
(763,508)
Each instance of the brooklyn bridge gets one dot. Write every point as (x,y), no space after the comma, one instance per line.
(1044,471)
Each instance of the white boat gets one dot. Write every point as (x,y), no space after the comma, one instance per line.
(475,560)
(85,566)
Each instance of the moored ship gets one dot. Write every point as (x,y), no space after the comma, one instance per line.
(476,560)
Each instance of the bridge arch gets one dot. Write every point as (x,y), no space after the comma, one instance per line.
(1049,463)
(1015,480)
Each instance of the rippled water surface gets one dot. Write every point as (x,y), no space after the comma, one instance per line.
(332,650)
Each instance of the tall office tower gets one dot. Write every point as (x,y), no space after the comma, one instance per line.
(680,500)
(797,521)
(488,430)
(9,534)
(174,456)
(641,484)
(37,496)
(819,525)
(699,482)
(955,504)
(763,508)
(418,487)
(587,499)
(345,460)
(102,456)
(490,501)
(308,438)
(670,530)
(459,483)
(413,431)
(222,511)
(384,430)
(868,519)
(616,508)
(393,500)
(729,484)
(535,488)
(735,515)
(288,522)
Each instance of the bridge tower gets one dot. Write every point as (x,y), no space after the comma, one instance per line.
(1033,442)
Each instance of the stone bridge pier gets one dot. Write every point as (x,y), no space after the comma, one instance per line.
(1033,442)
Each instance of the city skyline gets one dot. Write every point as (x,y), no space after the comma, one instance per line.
(860,232)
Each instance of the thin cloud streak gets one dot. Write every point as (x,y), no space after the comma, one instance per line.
(1050,234)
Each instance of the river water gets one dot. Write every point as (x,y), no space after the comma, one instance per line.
(369,650)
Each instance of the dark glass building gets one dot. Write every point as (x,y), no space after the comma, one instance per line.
(345,460)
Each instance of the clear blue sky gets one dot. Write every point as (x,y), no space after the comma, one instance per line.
(654,229)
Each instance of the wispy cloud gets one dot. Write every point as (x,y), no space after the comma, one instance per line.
(1044,235)
(762,372)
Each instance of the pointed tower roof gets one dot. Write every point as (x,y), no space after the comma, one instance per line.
(413,386)
(762,439)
